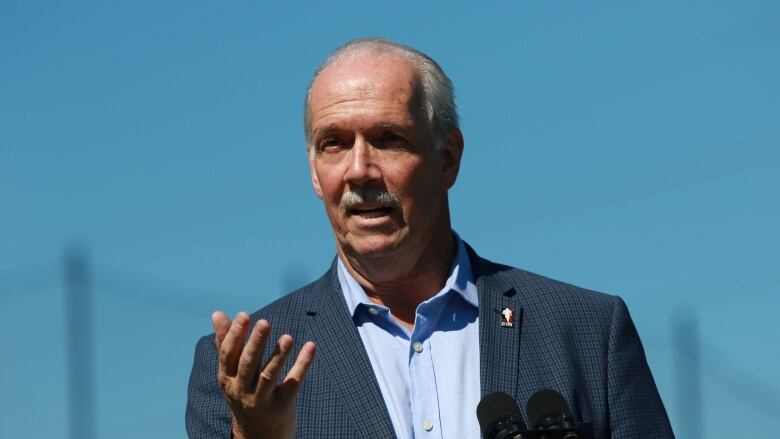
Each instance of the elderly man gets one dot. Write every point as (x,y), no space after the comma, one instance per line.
(410,326)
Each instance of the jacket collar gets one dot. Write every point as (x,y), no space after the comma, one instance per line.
(499,340)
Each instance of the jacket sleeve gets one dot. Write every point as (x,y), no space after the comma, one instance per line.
(635,407)
(208,415)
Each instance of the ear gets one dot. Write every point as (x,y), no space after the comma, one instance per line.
(315,180)
(451,151)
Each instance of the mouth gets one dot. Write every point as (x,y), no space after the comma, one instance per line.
(370,212)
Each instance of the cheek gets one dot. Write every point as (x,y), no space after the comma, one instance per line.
(417,188)
(329,182)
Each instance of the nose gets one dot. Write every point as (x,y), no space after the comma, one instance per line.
(363,167)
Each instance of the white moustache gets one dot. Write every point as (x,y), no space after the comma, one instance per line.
(368,195)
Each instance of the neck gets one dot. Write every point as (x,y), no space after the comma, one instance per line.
(407,278)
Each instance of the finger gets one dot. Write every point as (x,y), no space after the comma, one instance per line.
(293,380)
(273,368)
(221,323)
(249,363)
(232,344)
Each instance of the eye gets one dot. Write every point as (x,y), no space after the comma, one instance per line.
(330,144)
(391,137)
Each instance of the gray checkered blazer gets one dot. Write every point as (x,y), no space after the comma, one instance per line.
(579,342)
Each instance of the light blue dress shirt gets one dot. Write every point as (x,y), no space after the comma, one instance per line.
(429,378)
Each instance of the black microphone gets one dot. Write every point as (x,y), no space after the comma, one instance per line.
(547,410)
(499,417)
(551,418)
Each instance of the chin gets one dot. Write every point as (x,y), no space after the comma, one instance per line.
(373,246)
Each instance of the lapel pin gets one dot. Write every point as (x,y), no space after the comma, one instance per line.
(507,317)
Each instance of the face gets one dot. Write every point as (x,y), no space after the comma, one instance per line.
(373,161)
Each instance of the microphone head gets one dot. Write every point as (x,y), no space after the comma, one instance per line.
(547,410)
(498,412)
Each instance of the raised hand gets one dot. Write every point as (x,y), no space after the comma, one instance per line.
(262,407)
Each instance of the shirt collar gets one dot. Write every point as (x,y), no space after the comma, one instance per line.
(460,280)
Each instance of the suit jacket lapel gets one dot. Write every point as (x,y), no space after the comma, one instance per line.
(499,345)
(344,357)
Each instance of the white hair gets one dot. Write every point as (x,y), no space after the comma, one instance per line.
(437,95)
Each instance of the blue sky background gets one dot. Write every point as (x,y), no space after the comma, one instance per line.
(629,148)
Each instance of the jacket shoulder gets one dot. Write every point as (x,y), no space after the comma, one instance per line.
(536,290)
(301,300)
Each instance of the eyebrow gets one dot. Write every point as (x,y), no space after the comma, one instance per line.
(395,126)
(327,129)
(334,128)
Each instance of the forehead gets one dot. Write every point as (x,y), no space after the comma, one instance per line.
(364,85)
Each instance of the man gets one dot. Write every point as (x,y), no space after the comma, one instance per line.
(411,328)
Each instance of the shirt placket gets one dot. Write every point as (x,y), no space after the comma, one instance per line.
(422,380)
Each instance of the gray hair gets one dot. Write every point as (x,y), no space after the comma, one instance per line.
(438,97)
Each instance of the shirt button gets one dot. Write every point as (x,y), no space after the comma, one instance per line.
(373,310)
(427,425)
(418,347)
